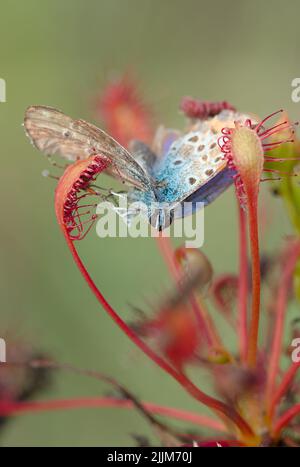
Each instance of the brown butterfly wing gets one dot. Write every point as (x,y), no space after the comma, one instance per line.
(54,133)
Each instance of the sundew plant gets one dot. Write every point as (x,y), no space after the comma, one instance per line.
(254,389)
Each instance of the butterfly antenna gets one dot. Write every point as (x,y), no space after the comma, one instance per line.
(47,174)
(55,164)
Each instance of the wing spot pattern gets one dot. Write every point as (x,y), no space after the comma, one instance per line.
(193,139)
(192,180)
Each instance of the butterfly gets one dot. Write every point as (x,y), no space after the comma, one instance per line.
(179,168)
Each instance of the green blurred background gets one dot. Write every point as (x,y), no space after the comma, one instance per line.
(61,53)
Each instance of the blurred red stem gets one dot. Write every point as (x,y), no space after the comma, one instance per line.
(285,419)
(255,263)
(281,305)
(283,387)
(19,408)
(205,322)
(167,253)
(243,284)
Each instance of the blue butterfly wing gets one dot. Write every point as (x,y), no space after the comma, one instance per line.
(191,162)
(207,193)
(194,163)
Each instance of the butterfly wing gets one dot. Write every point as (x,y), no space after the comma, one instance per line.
(194,160)
(206,194)
(163,139)
(143,154)
(54,133)
(146,155)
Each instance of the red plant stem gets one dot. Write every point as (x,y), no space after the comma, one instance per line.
(19,408)
(285,419)
(167,253)
(193,390)
(254,245)
(243,285)
(292,258)
(205,322)
(283,387)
